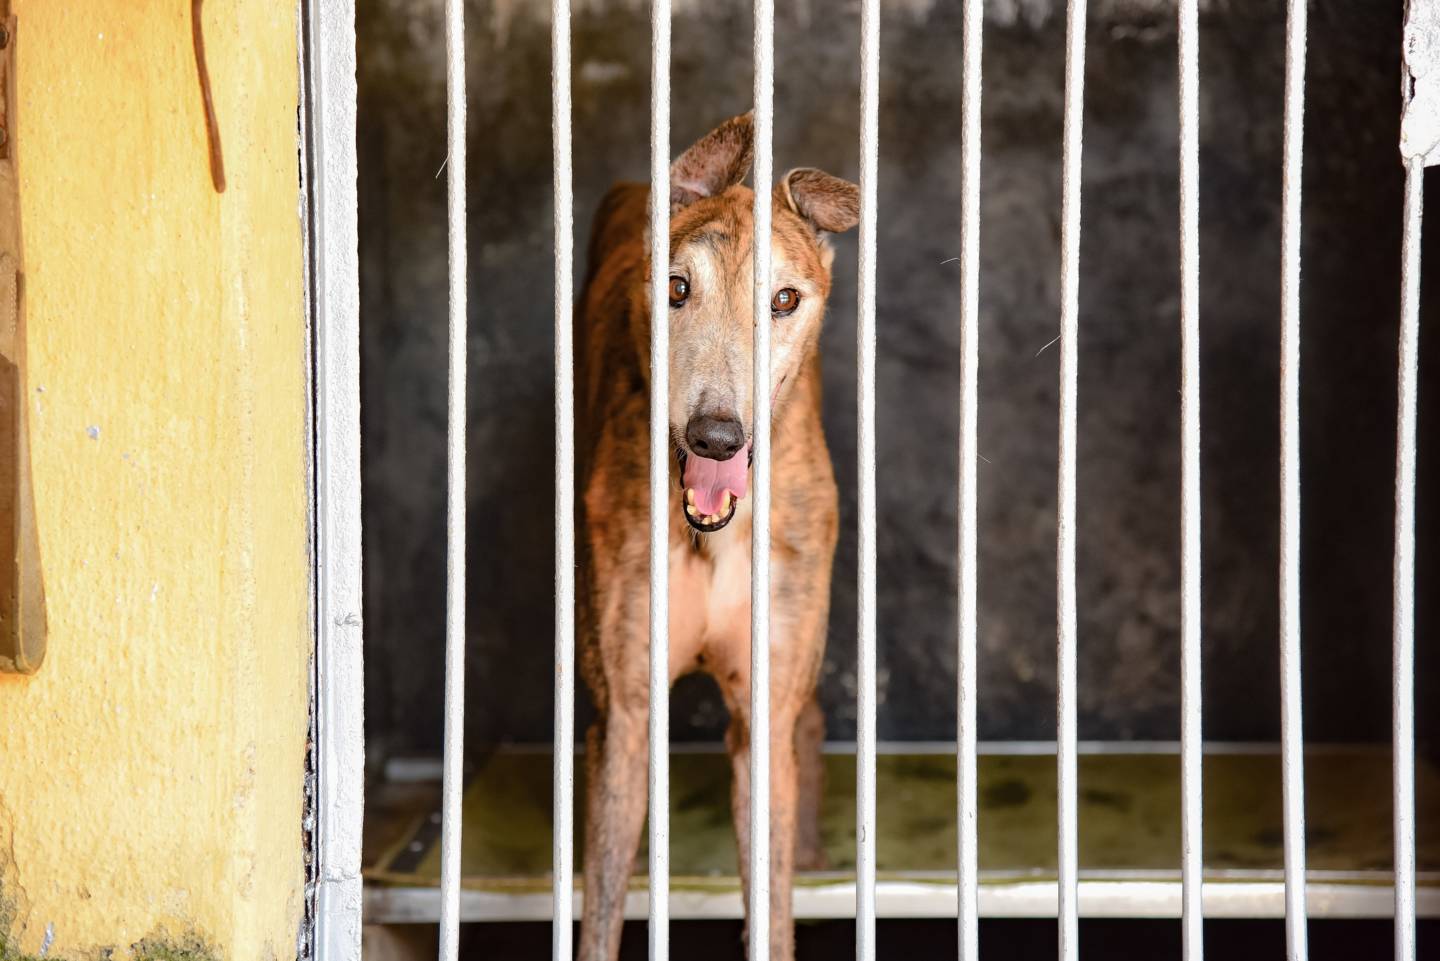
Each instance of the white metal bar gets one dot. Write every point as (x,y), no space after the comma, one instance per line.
(414,770)
(759,925)
(563,869)
(1191,716)
(660,481)
(1067,775)
(1419,134)
(865,474)
(1404,606)
(1258,894)
(866,487)
(1291,729)
(967,909)
(334,300)
(453,785)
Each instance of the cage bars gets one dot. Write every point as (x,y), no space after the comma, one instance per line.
(967,907)
(1067,887)
(659,723)
(563,841)
(1068,882)
(1191,740)
(865,846)
(1291,728)
(759,907)
(453,777)
(1403,612)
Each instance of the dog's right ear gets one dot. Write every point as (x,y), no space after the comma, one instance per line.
(716,162)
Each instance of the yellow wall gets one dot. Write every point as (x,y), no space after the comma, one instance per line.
(151,773)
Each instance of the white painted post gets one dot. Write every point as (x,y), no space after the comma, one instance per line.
(333,275)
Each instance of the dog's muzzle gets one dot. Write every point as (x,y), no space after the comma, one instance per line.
(712,488)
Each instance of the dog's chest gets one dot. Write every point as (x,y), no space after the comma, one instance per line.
(710,589)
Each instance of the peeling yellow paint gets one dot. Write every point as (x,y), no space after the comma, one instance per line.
(151,773)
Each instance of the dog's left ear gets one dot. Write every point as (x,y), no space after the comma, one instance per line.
(831,204)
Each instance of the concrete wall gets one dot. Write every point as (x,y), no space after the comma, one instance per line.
(1129,361)
(151,773)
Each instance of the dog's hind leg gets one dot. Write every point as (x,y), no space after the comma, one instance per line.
(616,749)
(810,787)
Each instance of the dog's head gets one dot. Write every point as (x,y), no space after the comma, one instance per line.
(711,305)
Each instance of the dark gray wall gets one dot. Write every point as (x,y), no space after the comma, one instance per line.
(1129,373)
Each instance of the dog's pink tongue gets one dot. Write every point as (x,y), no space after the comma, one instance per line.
(710,479)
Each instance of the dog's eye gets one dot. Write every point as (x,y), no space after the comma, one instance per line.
(785,301)
(679,291)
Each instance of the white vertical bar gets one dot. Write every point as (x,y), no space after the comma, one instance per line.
(1404,607)
(865,474)
(760,532)
(660,481)
(454,766)
(563,869)
(1191,740)
(1067,776)
(1291,729)
(966,771)
(334,291)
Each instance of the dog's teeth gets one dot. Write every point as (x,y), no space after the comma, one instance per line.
(692,511)
(725,502)
(690,496)
(713,519)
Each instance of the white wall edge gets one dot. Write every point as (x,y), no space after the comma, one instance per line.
(328,111)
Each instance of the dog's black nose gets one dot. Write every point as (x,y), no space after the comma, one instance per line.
(715,437)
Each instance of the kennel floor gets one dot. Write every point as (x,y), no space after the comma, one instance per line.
(1129,835)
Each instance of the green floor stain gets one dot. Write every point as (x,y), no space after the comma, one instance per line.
(1129,818)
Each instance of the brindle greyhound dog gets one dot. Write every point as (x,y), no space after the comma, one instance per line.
(711,426)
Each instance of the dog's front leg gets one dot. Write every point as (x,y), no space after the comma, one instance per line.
(783,793)
(810,778)
(615,753)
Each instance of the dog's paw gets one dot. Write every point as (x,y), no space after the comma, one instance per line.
(811,857)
